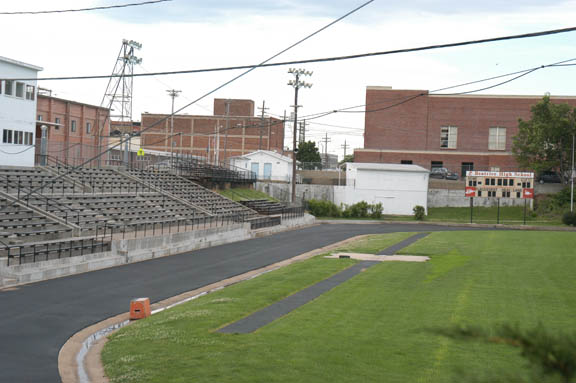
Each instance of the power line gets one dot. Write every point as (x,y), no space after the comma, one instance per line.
(319,60)
(122,141)
(84,9)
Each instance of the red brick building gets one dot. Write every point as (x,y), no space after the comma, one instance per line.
(76,131)
(207,136)
(460,133)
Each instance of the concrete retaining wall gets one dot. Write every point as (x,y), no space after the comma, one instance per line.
(282,191)
(456,198)
(140,249)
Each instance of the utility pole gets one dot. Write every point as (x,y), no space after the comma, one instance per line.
(326,141)
(172,93)
(227,128)
(302,137)
(296,84)
(345,146)
(263,109)
(572,174)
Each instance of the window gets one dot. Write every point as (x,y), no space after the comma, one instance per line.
(497,138)
(465,167)
(20,89)
(40,118)
(406,162)
(7,136)
(436,164)
(28,138)
(88,128)
(30,93)
(9,87)
(57,121)
(448,137)
(73,126)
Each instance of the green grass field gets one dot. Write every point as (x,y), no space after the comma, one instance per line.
(373,328)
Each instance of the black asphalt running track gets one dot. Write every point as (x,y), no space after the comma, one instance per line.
(37,319)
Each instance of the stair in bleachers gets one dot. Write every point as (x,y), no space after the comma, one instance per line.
(264,206)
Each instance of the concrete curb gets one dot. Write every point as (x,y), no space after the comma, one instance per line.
(67,365)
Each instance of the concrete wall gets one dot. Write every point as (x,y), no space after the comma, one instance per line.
(456,198)
(140,249)
(282,191)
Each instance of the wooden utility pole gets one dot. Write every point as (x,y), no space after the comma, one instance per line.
(263,109)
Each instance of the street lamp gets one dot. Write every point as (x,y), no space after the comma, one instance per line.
(296,84)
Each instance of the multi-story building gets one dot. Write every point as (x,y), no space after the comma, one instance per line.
(458,132)
(17,112)
(76,131)
(217,137)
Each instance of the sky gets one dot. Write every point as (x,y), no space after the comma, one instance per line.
(190,34)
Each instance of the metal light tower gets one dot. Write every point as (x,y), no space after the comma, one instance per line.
(296,84)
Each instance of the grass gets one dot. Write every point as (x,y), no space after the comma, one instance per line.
(242,194)
(373,328)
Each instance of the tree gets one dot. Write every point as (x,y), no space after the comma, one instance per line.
(308,156)
(347,158)
(545,141)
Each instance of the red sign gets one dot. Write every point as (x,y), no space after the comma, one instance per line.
(527,193)
(470,191)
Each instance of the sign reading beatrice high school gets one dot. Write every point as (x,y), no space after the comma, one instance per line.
(500,184)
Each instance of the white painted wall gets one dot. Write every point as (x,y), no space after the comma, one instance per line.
(17,114)
(398,190)
(281,165)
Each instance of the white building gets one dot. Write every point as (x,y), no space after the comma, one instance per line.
(266,164)
(17,113)
(398,187)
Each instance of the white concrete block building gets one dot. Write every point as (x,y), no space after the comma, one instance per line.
(398,187)
(266,164)
(17,112)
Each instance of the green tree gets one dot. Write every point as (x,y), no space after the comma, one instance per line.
(347,158)
(545,141)
(309,156)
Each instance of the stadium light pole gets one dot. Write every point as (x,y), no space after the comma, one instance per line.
(296,84)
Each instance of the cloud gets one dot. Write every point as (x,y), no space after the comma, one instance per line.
(214,10)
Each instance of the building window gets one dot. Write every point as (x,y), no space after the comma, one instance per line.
(7,136)
(497,138)
(436,164)
(9,87)
(406,162)
(40,117)
(28,138)
(30,92)
(88,128)
(20,89)
(73,126)
(448,137)
(57,121)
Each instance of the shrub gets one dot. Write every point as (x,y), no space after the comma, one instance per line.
(376,210)
(419,212)
(554,204)
(569,218)
(323,208)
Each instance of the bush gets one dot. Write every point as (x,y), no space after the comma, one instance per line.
(419,212)
(554,204)
(323,208)
(376,210)
(569,218)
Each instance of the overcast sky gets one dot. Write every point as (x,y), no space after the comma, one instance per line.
(186,34)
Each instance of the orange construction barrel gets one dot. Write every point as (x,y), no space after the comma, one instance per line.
(139,308)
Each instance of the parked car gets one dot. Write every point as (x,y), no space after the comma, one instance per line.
(549,177)
(443,173)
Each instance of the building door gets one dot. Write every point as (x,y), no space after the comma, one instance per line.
(467,166)
(267,171)
(255,167)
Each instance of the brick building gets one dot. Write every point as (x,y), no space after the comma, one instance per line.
(207,136)
(76,131)
(460,133)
